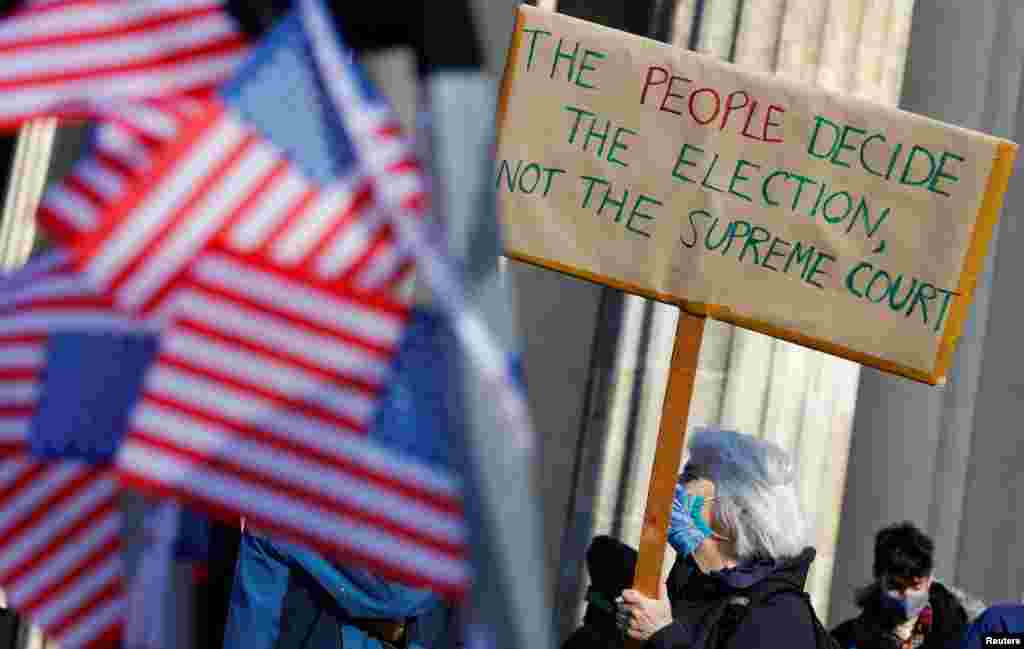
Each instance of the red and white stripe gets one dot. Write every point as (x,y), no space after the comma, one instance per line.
(270,372)
(60,561)
(259,406)
(56,55)
(125,145)
(220,180)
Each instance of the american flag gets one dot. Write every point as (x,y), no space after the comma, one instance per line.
(57,56)
(121,152)
(60,559)
(281,330)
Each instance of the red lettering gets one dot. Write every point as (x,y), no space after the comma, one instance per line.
(729,107)
(648,82)
(768,122)
(764,127)
(718,105)
(668,94)
(750,116)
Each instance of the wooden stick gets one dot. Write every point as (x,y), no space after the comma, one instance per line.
(668,456)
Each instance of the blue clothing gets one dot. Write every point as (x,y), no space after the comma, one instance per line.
(703,615)
(287,597)
(998,618)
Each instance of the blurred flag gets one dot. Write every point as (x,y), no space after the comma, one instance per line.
(505,517)
(277,581)
(148,605)
(272,267)
(506,530)
(57,56)
(69,371)
(121,151)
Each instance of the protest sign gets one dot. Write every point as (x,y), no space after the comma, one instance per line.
(820,218)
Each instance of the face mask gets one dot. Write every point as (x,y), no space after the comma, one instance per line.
(905,607)
(686,528)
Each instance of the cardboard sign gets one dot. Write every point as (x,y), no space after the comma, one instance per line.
(842,225)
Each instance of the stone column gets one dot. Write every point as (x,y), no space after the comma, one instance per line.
(913,444)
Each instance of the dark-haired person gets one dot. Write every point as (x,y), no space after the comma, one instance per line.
(905,607)
(611,565)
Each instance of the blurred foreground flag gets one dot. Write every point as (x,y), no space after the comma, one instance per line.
(272,268)
(58,56)
(70,369)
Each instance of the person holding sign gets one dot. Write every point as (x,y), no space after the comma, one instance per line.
(741,538)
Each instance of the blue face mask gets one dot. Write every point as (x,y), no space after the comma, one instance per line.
(686,528)
(904,607)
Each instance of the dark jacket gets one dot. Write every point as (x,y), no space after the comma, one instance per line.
(872,629)
(611,565)
(702,605)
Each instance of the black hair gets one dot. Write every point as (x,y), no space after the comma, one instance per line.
(902,550)
(611,564)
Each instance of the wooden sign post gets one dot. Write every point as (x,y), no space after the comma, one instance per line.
(682,374)
(826,220)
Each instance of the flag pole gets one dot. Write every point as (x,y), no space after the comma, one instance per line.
(668,455)
(25,190)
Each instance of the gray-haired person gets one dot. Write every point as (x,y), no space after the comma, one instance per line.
(743,555)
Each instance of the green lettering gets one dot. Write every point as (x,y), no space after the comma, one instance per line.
(551,174)
(734,234)
(923,299)
(580,114)
(559,55)
(590,187)
(800,189)
(602,137)
(945,306)
(801,255)
(509,174)
(707,237)
(736,176)
(773,253)
(693,226)
(849,206)
(533,166)
(611,201)
(815,270)
(852,275)
(753,241)
(888,286)
(869,227)
(584,67)
(904,180)
(534,33)
(896,304)
(818,121)
(636,212)
(683,161)
(843,146)
(939,174)
(616,144)
(863,162)
(711,169)
(764,186)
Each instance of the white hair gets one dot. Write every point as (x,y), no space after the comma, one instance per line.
(757,503)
